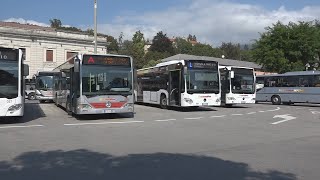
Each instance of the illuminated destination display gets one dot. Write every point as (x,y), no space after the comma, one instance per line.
(106,60)
(202,65)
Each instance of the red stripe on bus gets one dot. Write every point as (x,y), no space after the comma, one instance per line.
(113,105)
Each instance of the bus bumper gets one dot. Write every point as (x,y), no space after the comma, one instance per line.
(105,110)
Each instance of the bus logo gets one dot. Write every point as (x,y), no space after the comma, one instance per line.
(190,64)
(108,104)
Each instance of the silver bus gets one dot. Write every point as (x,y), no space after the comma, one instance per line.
(289,88)
(95,84)
(44,86)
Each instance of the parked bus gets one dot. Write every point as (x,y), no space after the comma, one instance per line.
(182,83)
(237,85)
(95,84)
(12,79)
(289,88)
(44,85)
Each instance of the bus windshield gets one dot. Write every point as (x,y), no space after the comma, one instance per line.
(44,82)
(106,80)
(243,81)
(9,79)
(202,81)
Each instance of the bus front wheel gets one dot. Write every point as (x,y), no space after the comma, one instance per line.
(276,100)
(163,102)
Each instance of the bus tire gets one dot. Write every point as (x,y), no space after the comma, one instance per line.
(31,96)
(42,101)
(276,100)
(163,101)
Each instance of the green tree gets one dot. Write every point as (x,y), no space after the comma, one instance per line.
(112,45)
(289,47)
(202,50)
(126,48)
(230,50)
(161,43)
(156,56)
(55,23)
(138,43)
(182,46)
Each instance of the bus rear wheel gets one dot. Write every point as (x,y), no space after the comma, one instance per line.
(163,102)
(276,100)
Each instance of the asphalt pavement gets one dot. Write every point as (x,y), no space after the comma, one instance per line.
(258,141)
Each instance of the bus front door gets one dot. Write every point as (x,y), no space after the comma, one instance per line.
(175,88)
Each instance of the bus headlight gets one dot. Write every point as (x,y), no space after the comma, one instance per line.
(188,100)
(129,105)
(218,100)
(15,107)
(84,106)
(231,98)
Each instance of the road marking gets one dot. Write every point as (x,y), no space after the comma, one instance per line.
(236,114)
(301,108)
(7,127)
(311,109)
(101,123)
(252,113)
(218,116)
(315,112)
(166,120)
(278,108)
(286,118)
(194,118)
(262,111)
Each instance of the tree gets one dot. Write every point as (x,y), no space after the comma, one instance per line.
(155,56)
(202,50)
(126,48)
(289,47)
(231,51)
(138,43)
(161,43)
(182,46)
(55,23)
(112,45)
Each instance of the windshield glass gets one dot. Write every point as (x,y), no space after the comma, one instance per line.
(243,81)
(44,82)
(202,81)
(9,79)
(106,80)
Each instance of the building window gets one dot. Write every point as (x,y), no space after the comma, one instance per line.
(23,53)
(70,54)
(49,55)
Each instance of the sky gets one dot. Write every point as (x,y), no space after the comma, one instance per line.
(212,21)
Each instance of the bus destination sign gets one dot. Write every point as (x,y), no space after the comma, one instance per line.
(8,54)
(202,65)
(106,60)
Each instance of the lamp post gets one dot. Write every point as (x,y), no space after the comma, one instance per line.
(95,26)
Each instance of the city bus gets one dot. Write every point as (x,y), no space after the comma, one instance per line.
(181,83)
(44,85)
(95,84)
(237,85)
(12,80)
(289,88)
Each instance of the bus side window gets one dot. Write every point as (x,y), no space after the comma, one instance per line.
(316,81)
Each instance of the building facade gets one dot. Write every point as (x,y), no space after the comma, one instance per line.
(45,48)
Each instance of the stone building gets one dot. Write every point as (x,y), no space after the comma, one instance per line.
(45,47)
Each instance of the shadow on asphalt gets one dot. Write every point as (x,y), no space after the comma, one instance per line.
(104,116)
(84,165)
(32,111)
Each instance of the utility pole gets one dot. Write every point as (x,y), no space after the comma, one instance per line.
(95,26)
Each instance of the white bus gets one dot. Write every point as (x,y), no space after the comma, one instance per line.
(182,83)
(289,88)
(237,85)
(95,84)
(12,80)
(44,85)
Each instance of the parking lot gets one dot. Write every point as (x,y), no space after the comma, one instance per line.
(259,141)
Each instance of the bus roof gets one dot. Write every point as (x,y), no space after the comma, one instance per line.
(294,73)
(241,67)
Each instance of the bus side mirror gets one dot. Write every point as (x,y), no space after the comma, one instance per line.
(77,65)
(185,70)
(231,74)
(25,70)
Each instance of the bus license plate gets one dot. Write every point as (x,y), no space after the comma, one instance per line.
(108,111)
(204,104)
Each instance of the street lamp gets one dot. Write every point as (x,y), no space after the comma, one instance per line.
(95,26)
